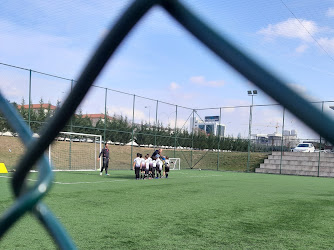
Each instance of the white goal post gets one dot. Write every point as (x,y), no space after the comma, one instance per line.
(75,152)
(174,163)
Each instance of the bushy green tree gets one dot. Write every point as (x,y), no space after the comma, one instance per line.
(4,125)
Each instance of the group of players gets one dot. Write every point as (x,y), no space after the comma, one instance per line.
(151,167)
(147,167)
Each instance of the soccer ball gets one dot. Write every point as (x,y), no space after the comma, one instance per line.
(199,169)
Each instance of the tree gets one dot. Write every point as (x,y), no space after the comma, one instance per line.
(4,125)
(80,123)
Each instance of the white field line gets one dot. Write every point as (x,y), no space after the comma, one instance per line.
(84,182)
(201,176)
(69,183)
(10,177)
(94,182)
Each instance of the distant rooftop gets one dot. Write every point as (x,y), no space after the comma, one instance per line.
(37,106)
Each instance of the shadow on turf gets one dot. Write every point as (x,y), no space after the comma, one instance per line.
(113,174)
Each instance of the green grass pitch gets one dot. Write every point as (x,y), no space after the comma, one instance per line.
(190,210)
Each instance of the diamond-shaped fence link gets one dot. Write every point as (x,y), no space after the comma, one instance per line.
(29,198)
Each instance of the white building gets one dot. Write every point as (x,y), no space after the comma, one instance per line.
(289,138)
(210,125)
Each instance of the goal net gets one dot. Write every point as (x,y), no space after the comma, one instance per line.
(174,163)
(75,151)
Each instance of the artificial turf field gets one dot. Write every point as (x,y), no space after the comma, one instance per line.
(190,210)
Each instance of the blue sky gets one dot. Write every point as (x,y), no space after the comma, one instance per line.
(160,60)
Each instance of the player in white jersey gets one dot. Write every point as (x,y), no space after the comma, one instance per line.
(147,166)
(136,165)
(159,168)
(142,167)
(166,172)
(150,165)
(154,166)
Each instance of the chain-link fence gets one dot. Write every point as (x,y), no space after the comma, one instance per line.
(236,138)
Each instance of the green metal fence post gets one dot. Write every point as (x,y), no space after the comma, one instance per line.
(192,139)
(29,108)
(71,123)
(156,125)
(280,164)
(70,154)
(175,130)
(322,110)
(71,129)
(133,122)
(220,120)
(105,116)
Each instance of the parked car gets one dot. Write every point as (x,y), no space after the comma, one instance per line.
(304,147)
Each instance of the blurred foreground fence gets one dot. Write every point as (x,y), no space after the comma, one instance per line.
(29,198)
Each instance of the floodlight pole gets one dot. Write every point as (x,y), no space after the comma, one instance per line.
(252,94)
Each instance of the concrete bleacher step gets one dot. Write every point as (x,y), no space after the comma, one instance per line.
(295,172)
(299,163)
(292,163)
(301,158)
(297,167)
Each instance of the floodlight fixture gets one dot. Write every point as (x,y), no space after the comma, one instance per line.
(252,93)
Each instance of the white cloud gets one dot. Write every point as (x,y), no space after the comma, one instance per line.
(292,28)
(180,123)
(327,44)
(200,80)
(330,12)
(12,90)
(302,48)
(42,51)
(180,95)
(125,111)
(174,86)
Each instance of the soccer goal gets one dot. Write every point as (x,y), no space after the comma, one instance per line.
(174,163)
(75,151)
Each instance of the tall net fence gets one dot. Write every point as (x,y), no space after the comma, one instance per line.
(234,138)
(235,144)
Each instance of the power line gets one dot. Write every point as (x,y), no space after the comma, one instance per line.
(307,31)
